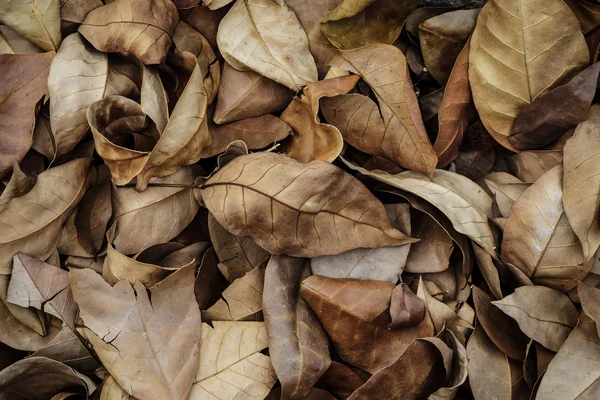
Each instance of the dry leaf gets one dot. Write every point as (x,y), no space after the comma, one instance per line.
(442,38)
(355,23)
(489,270)
(242,300)
(266,37)
(355,315)
(427,374)
(40,378)
(256,133)
(517,54)
(398,134)
(464,203)
(432,253)
(78,77)
(581,184)
(545,315)
(538,238)
(549,116)
(529,166)
(17,335)
(246,94)
(112,391)
(455,111)
(186,133)
(45,287)
(502,330)
(298,345)
(238,255)
(161,212)
(37,20)
(380,264)
(18,185)
(289,201)
(153,97)
(459,369)
(23,85)
(231,365)
(573,372)
(313,140)
(406,309)
(144,28)
(340,380)
(75,11)
(492,375)
(50,209)
(589,297)
(68,347)
(149,345)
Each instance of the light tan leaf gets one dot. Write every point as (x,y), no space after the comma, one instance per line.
(529,166)
(256,133)
(315,209)
(298,345)
(380,264)
(266,37)
(78,77)
(589,297)
(517,54)
(160,212)
(112,391)
(313,140)
(160,334)
(492,375)
(538,238)
(545,315)
(488,270)
(464,203)
(245,94)
(396,131)
(230,363)
(19,184)
(22,84)
(573,373)
(238,255)
(43,286)
(143,28)
(51,210)
(153,98)
(36,20)
(581,180)
(19,336)
(13,43)
(242,300)
(459,372)
(186,133)
(505,194)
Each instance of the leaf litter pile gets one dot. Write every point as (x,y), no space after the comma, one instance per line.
(294,199)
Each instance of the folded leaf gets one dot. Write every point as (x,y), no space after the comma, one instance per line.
(238,255)
(231,365)
(241,301)
(143,28)
(581,183)
(148,344)
(455,111)
(161,212)
(341,214)
(517,54)
(545,315)
(266,37)
(398,134)
(43,286)
(186,133)
(355,315)
(246,94)
(37,20)
(550,115)
(406,309)
(538,238)
(313,140)
(17,335)
(23,84)
(298,345)
(459,369)
(78,77)
(442,38)
(573,373)
(51,210)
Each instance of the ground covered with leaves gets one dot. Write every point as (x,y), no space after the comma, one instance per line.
(295,199)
